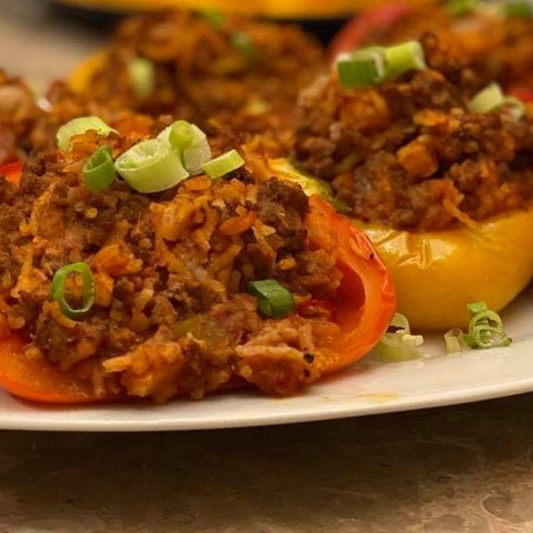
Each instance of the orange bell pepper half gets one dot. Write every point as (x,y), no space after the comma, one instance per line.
(363,308)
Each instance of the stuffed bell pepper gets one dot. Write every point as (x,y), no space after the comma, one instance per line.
(162,263)
(435,164)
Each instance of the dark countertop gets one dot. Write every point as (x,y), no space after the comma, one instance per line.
(463,469)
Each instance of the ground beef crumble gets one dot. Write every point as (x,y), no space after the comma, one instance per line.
(408,153)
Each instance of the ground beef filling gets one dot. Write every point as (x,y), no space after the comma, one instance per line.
(408,154)
(500,48)
(241,73)
(172,315)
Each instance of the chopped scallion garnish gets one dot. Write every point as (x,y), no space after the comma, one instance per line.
(362,68)
(273,300)
(369,66)
(99,171)
(215,18)
(151,166)
(242,42)
(223,164)
(180,134)
(142,77)
(518,9)
(488,99)
(515,107)
(491,98)
(59,282)
(398,344)
(405,57)
(191,142)
(460,8)
(454,340)
(78,126)
(485,329)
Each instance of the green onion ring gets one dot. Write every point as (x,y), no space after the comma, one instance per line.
(485,329)
(404,58)
(223,164)
(362,68)
(518,9)
(191,142)
(78,126)
(99,171)
(58,289)
(273,300)
(399,345)
(142,77)
(488,99)
(151,166)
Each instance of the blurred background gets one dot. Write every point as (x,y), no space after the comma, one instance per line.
(43,39)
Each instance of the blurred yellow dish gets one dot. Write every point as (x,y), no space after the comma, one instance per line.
(276,8)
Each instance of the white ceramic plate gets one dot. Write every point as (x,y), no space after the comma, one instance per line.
(367,388)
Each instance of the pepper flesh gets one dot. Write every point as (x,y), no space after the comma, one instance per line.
(12,171)
(438,273)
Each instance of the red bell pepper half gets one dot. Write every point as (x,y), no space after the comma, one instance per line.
(358,29)
(363,308)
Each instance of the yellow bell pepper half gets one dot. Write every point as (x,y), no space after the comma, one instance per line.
(438,273)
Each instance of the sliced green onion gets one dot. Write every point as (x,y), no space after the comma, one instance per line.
(151,166)
(78,126)
(142,77)
(485,329)
(223,164)
(398,344)
(405,57)
(179,135)
(474,308)
(191,142)
(488,99)
(491,98)
(460,8)
(215,18)
(58,289)
(518,10)
(362,68)
(454,340)
(99,171)
(242,42)
(273,300)
(370,66)
(515,107)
